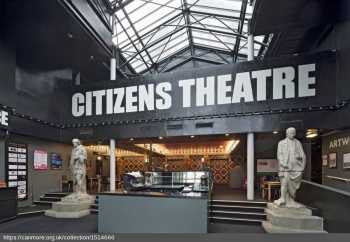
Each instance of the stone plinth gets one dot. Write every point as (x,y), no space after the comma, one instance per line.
(291,220)
(72,206)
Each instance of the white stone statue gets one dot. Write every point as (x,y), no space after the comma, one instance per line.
(291,159)
(77,204)
(78,168)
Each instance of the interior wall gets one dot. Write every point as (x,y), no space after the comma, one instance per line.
(40,182)
(340,144)
(221,166)
(266,148)
(2,159)
(338,38)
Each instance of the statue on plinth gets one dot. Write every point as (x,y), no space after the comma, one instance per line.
(285,215)
(291,159)
(78,203)
(78,169)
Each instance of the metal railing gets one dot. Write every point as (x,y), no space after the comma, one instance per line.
(339,178)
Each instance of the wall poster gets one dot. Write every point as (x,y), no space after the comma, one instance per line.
(325,160)
(56,161)
(267,165)
(332,160)
(40,160)
(17,168)
(346,160)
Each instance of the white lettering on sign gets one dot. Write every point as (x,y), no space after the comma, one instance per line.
(337,143)
(4,117)
(245,87)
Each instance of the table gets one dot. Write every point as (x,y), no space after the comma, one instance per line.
(271,185)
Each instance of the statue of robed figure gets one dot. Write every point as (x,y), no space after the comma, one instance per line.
(291,158)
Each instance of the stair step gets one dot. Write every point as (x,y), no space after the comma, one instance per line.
(52,199)
(32,213)
(43,202)
(94,210)
(239,203)
(237,208)
(57,194)
(94,206)
(235,220)
(238,214)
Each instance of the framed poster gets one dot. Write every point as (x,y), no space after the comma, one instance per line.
(325,160)
(56,161)
(346,160)
(332,159)
(267,165)
(40,160)
(17,168)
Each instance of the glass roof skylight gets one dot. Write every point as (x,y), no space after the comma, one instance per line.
(151,31)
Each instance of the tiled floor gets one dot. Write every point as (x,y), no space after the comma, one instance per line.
(88,224)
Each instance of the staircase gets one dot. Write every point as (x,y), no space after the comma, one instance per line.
(49,198)
(241,212)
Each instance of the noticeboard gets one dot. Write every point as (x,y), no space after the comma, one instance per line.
(17,168)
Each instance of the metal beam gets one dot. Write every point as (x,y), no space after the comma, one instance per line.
(132,42)
(120,4)
(138,37)
(240,29)
(188,22)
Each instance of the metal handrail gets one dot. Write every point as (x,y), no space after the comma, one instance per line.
(338,178)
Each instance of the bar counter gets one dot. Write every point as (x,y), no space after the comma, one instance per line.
(153,212)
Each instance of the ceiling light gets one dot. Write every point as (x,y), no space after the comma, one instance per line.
(311,133)
(192,136)
(131,139)
(227,135)
(275,132)
(160,137)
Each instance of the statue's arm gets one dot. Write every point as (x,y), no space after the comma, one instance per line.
(303,156)
(71,162)
(280,156)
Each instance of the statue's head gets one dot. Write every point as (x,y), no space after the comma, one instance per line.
(290,133)
(76,142)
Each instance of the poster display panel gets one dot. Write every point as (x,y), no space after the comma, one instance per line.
(17,168)
(40,160)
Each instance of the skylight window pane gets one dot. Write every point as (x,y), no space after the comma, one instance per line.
(173,49)
(165,30)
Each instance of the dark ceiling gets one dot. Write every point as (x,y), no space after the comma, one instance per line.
(299,25)
(48,38)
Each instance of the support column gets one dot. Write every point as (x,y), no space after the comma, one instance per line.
(250,47)
(113,77)
(112,165)
(250,166)
(250,136)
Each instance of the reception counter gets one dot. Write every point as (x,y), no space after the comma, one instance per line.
(153,212)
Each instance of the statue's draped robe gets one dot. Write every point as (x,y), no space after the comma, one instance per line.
(78,167)
(291,159)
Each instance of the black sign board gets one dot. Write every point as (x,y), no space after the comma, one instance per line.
(247,87)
